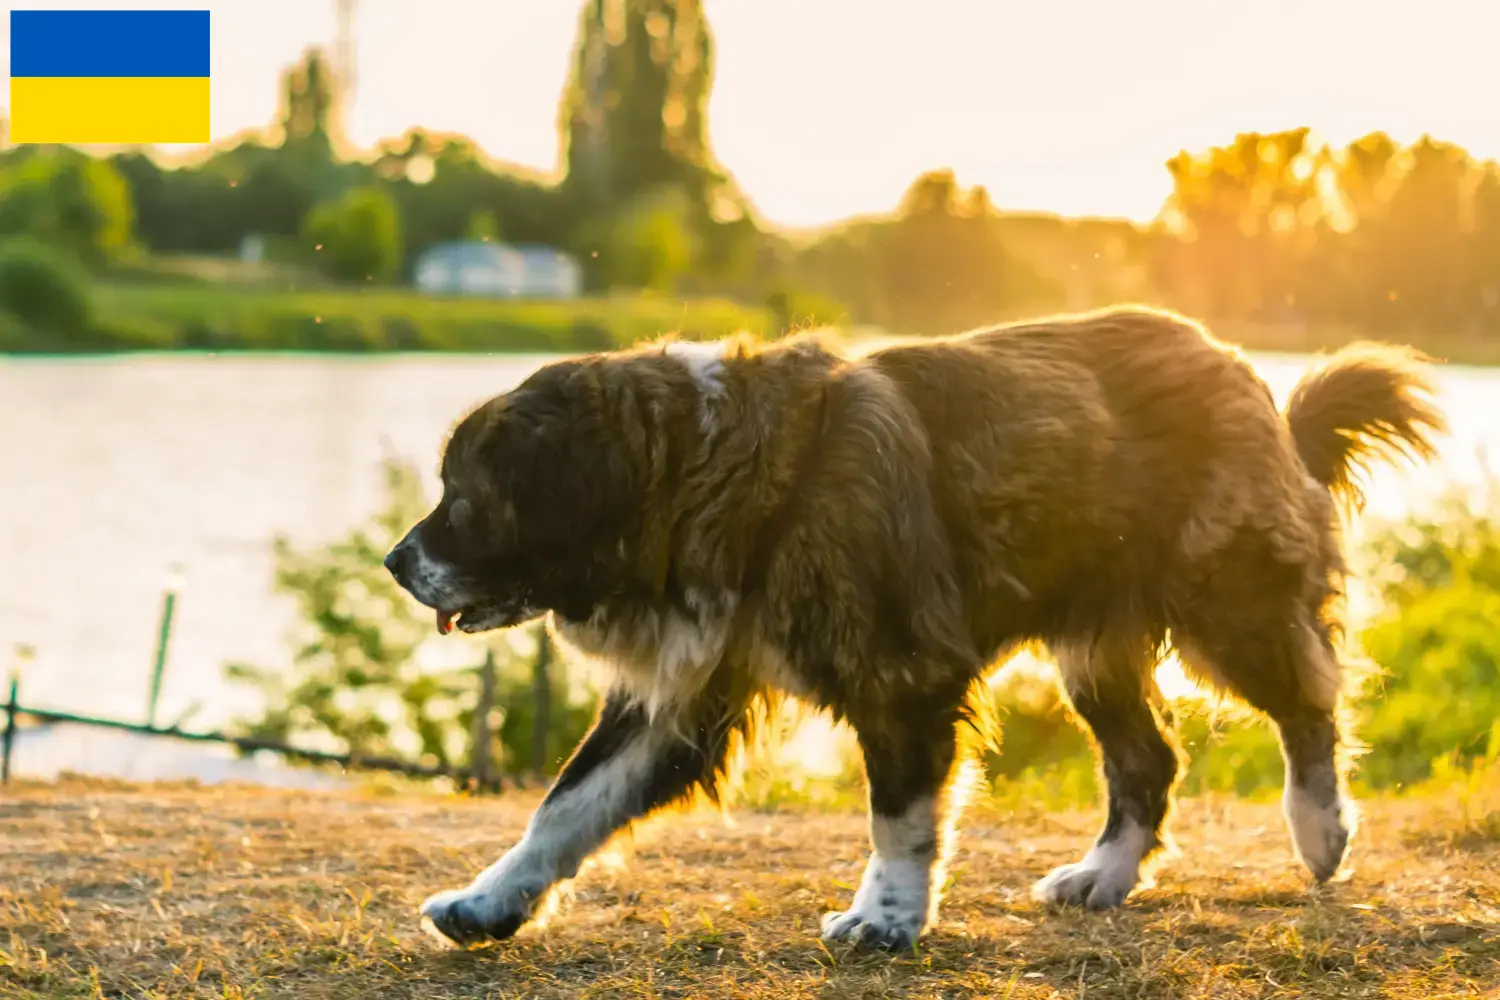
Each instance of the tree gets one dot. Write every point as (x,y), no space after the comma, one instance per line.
(71,200)
(1246,209)
(648,244)
(1483,251)
(1420,242)
(309,97)
(635,108)
(634,124)
(356,237)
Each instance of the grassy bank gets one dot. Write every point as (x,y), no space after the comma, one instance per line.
(201,316)
(175,313)
(172,891)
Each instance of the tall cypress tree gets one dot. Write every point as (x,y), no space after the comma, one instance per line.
(634,113)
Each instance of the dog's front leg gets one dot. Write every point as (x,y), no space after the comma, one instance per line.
(627,766)
(909,758)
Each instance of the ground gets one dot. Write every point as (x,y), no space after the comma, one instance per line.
(179,891)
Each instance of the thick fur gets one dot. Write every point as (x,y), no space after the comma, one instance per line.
(870,532)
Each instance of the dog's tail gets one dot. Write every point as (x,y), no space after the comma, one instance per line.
(1366,403)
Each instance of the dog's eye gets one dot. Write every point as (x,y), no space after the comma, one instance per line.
(461,515)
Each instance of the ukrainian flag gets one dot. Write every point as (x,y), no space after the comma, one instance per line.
(109,76)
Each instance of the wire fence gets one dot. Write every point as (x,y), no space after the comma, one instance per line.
(479,775)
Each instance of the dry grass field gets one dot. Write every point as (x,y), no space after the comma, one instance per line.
(179,891)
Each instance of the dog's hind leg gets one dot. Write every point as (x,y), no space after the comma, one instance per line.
(909,752)
(1287,668)
(1111,686)
(629,765)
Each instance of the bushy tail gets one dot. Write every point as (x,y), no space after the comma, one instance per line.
(1367,403)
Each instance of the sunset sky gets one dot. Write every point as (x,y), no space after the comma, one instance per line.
(827,108)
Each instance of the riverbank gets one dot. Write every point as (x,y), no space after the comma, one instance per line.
(214,317)
(178,316)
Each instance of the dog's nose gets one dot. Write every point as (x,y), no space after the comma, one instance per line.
(395,560)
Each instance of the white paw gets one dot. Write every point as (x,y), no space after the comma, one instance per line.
(1083,884)
(890,909)
(496,905)
(893,927)
(1104,877)
(1321,833)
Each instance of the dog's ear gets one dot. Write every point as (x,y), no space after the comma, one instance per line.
(564,464)
(477,504)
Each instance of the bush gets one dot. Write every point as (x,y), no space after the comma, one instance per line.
(16,336)
(1438,696)
(44,288)
(356,238)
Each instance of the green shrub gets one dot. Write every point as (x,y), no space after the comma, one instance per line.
(1438,693)
(356,238)
(15,335)
(43,287)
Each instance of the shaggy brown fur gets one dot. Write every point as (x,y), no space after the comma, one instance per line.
(870,533)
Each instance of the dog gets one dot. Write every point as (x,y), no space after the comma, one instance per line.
(869,532)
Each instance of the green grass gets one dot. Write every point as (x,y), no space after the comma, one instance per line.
(173,891)
(188,315)
(176,308)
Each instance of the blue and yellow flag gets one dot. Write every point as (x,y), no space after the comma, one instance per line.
(109,76)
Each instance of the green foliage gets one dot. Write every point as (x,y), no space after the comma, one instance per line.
(15,335)
(1271,227)
(649,244)
(795,309)
(634,112)
(356,683)
(942,264)
(43,288)
(445,187)
(356,237)
(225,318)
(71,200)
(483,227)
(1287,244)
(309,96)
(1439,693)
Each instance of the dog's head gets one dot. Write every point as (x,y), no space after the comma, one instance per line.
(538,494)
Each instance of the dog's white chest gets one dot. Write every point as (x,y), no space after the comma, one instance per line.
(663,654)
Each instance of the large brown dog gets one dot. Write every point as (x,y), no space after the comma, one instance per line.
(869,533)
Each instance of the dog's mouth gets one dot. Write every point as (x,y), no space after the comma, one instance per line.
(479,618)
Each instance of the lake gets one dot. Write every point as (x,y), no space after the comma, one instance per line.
(115,469)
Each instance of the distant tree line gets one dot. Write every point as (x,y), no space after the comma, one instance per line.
(1375,235)
(1270,228)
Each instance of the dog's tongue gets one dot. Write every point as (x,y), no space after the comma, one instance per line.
(445,620)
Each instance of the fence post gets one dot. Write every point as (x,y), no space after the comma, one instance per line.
(168,606)
(12,709)
(479,767)
(541,693)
